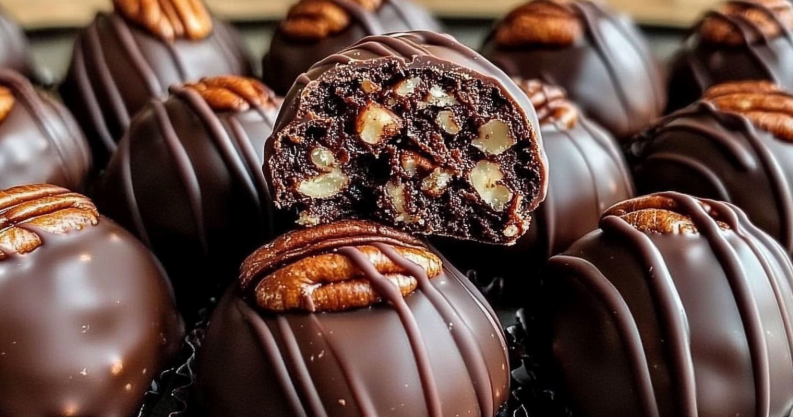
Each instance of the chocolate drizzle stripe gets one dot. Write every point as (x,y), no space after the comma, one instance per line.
(74,133)
(370,24)
(117,105)
(594,178)
(253,167)
(299,370)
(354,381)
(612,150)
(178,62)
(696,166)
(605,292)
(390,293)
(469,348)
(88,96)
(668,307)
(223,38)
(129,193)
(136,55)
(734,150)
(739,282)
(185,169)
(410,18)
(270,348)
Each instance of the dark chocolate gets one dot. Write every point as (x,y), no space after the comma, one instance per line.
(438,351)
(674,307)
(187,181)
(14,54)
(291,54)
(88,317)
(738,40)
(598,56)
(40,141)
(413,129)
(118,66)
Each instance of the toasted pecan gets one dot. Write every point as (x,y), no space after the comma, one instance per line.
(168,19)
(232,93)
(765,18)
(766,105)
(543,22)
(551,103)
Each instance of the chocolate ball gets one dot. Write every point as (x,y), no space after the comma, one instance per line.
(734,145)
(738,40)
(587,175)
(88,317)
(315,29)
(415,130)
(351,319)
(125,58)
(187,181)
(15,54)
(39,140)
(598,56)
(674,306)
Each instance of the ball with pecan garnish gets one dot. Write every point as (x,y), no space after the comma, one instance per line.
(675,306)
(126,57)
(598,56)
(733,145)
(314,29)
(351,319)
(737,40)
(187,181)
(88,319)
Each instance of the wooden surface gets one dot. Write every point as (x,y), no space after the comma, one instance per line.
(35,14)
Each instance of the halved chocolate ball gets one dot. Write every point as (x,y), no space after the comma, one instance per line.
(88,318)
(675,307)
(412,129)
(351,319)
(125,58)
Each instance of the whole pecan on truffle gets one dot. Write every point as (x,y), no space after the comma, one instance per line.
(168,19)
(6,102)
(303,270)
(765,104)
(767,18)
(551,103)
(658,213)
(318,19)
(45,207)
(546,22)
(233,93)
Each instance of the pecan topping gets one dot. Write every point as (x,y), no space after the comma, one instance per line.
(657,213)
(544,22)
(6,102)
(168,19)
(766,105)
(551,103)
(232,93)
(301,270)
(44,207)
(313,20)
(760,19)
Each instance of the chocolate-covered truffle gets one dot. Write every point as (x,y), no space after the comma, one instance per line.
(39,140)
(315,29)
(87,318)
(598,56)
(734,145)
(587,175)
(14,54)
(413,129)
(351,319)
(127,57)
(187,180)
(738,40)
(674,307)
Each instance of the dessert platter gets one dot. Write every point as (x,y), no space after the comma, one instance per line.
(339,234)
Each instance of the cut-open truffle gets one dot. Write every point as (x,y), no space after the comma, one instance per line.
(412,129)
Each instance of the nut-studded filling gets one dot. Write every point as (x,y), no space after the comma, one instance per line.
(429,151)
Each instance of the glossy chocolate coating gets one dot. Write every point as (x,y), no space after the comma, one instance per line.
(702,63)
(14,54)
(40,141)
(187,181)
(287,58)
(436,352)
(609,71)
(88,321)
(117,67)
(675,324)
(705,152)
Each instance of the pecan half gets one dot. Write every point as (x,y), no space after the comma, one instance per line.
(44,208)
(544,22)
(232,93)
(766,105)
(657,213)
(764,19)
(317,19)
(302,271)
(168,19)
(551,103)
(6,102)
